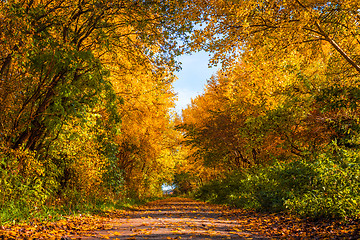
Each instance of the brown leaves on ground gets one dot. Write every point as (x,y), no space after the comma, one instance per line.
(285,226)
(74,226)
(180,218)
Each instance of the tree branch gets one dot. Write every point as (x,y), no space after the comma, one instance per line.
(337,47)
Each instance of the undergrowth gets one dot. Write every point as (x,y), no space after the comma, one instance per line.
(13,213)
(33,189)
(326,187)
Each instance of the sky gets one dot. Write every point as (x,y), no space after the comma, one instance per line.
(192,78)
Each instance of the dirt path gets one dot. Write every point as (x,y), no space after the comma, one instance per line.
(179,218)
(176,218)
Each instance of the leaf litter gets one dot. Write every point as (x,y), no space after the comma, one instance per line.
(182,218)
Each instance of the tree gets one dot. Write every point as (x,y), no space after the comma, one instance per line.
(53,62)
(62,66)
(281,26)
(303,54)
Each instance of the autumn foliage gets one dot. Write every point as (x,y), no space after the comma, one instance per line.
(86,104)
(85,99)
(287,95)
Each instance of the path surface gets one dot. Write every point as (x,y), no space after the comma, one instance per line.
(179,218)
(176,218)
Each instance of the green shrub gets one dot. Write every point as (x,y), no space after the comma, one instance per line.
(335,190)
(21,183)
(328,187)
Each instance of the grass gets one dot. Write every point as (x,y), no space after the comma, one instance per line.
(15,213)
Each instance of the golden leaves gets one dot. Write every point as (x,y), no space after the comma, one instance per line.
(208,221)
(70,226)
(280,26)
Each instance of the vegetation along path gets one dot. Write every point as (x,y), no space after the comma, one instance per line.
(182,218)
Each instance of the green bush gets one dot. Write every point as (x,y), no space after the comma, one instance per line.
(328,187)
(22,188)
(335,190)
